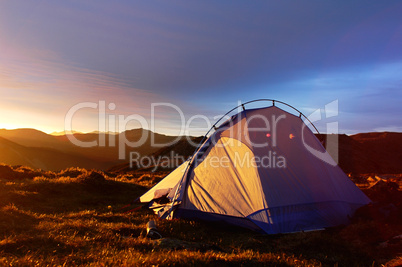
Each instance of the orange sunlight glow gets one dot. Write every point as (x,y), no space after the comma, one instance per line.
(15,119)
(9,126)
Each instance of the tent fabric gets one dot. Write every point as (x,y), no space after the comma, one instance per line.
(165,186)
(265,170)
(238,186)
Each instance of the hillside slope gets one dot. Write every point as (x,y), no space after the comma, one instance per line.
(42,158)
(175,153)
(360,153)
(98,156)
(371,152)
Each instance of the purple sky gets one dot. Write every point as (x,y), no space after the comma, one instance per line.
(202,56)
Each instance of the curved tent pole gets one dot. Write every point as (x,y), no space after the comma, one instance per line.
(214,127)
(283,103)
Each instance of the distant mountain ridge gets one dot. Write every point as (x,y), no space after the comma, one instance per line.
(359,153)
(377,152)
(40,157)
(100,157)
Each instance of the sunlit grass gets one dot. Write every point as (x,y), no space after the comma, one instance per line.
(74,217)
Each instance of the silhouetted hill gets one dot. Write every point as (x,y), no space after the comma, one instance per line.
(100,155)
(42,158)
(360,153)
(30,137)
(370,152)
(138,140)
(384,151)
(184,148)
(175,153)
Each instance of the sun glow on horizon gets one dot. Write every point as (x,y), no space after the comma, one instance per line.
(6,126)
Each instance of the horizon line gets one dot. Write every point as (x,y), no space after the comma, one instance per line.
(61,133)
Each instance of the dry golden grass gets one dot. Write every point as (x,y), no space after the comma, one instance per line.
(72,218)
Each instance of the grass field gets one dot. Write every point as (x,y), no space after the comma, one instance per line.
(72,218)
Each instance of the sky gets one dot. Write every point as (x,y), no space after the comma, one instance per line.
(201,58)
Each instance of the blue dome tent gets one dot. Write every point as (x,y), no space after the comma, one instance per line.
(262,169)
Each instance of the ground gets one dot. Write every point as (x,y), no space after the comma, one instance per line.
(77,217)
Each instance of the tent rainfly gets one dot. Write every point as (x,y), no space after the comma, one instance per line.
(262,169)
